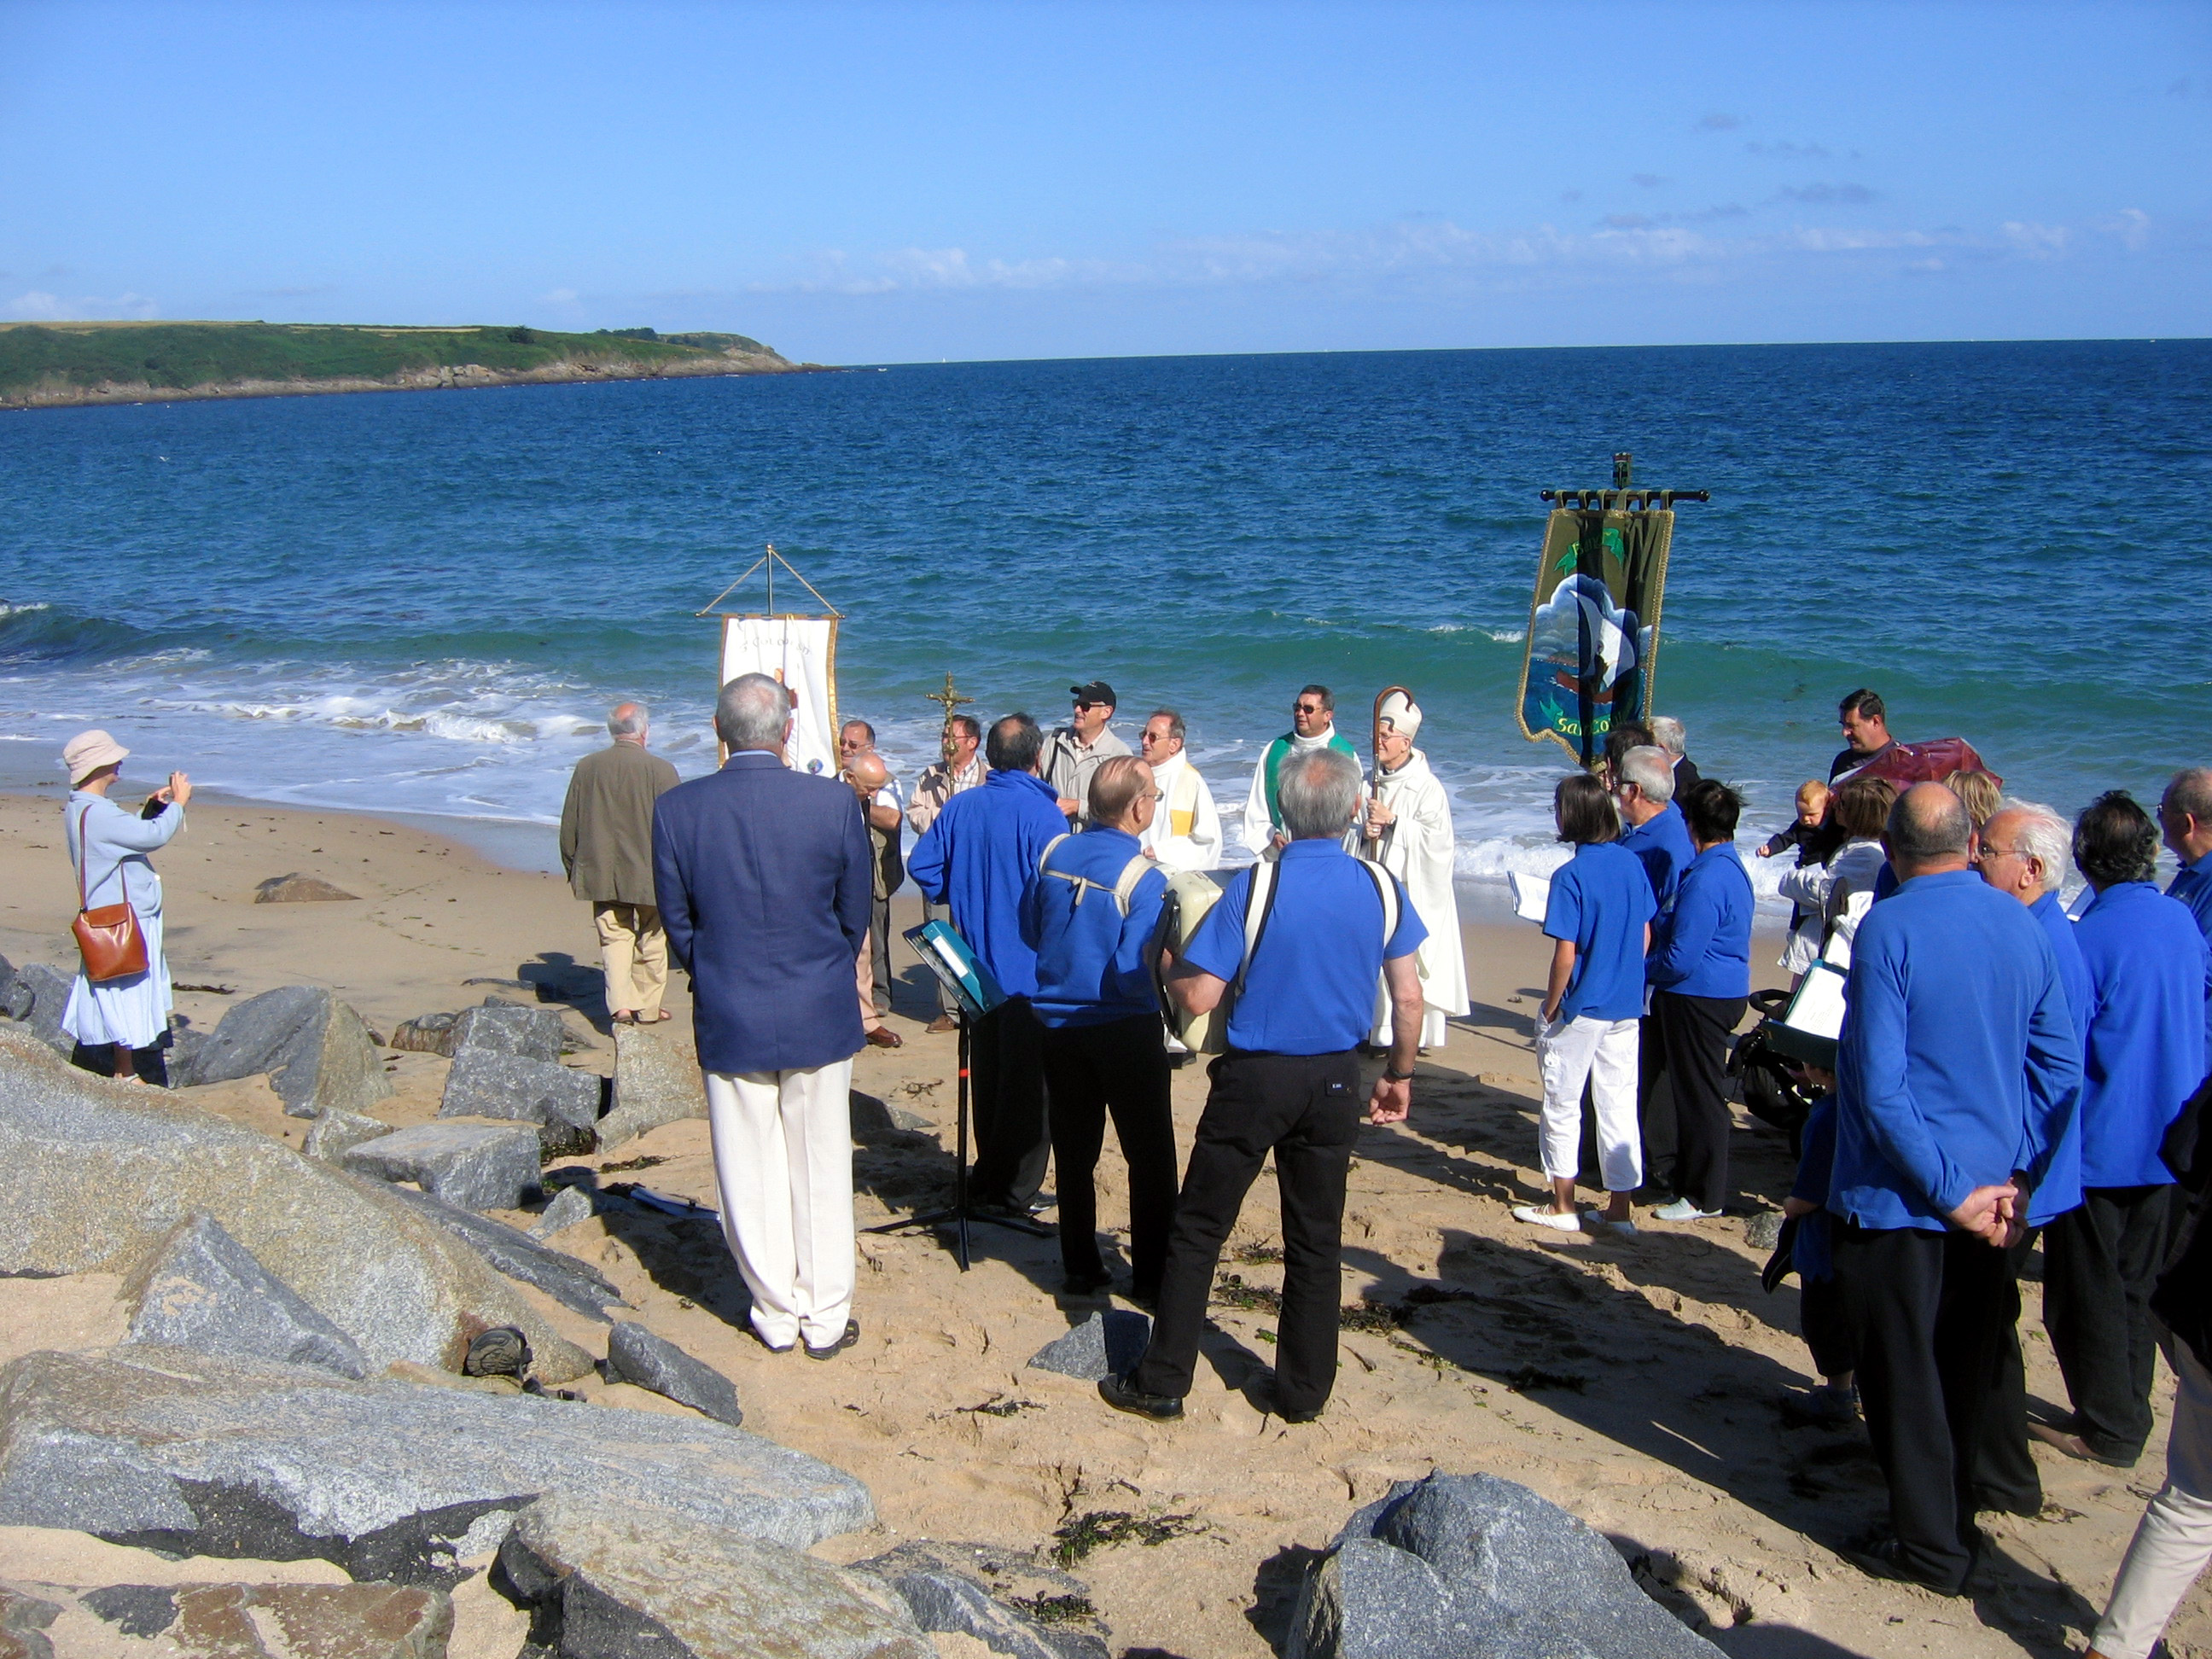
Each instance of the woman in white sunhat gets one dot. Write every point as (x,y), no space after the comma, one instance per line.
(109,846)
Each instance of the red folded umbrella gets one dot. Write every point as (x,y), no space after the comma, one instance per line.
(1907,763)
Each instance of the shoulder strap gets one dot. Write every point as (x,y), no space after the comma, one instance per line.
(1259,905)
(1386,889)
(84,859)
(1047,853)
(1125,889)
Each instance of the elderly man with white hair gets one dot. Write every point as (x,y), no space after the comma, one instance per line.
(1666,731)
(1406,828)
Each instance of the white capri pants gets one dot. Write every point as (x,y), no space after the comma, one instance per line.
(783,1157)
(2174,1539)
(1603,1052)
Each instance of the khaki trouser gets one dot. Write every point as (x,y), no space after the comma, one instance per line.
(634,951)
(864,982)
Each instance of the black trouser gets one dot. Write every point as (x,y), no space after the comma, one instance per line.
(1923,1308)
(1686,1131)
(2005,1475)
(1305,1109)
(2100,1262)
(1120,1068)
(1826,1332)
(1006,1071)
(880,952)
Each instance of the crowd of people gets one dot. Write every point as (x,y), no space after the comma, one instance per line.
(2010,1071)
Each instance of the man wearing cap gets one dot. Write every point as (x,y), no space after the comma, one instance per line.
(1408,829)
(1288,1085)
(1076,749)
(1313,725)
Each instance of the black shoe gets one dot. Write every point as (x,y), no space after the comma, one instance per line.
(1123,1396)
(1884,1558)
(1269,1403)
(1085,1284)
(851,1334)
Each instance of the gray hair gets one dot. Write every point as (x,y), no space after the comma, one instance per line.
(1927,822)
(1650,770)
(2190,792)
(1174,721)
(1317,792)
(1669,731)
(753,712)
(2043,835)
(627,719)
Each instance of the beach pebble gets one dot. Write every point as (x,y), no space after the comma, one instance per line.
(297,889)
(610,1581)
(1454,1565)
(336,1132)
(1113,1340)
(509,1028)
(425,1033)
(35,997)
(95,1174)
(968,1590)
(473,1166)
(570,1205)
(1763,1231)
(656,1081)
(635,1355)
(575,1285)
(193,1454)
(316,1050)
(563,1102)
(200,1289)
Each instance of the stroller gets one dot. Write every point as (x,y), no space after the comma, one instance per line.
(1763,1073)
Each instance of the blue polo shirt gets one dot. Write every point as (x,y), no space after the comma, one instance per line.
(1702,947)
(1091,966)
(2060,1188)
(1600,899)
(1310,989)
(1663,845)
(980,856)
(2149,977)
(1957,1056)
(2192,885)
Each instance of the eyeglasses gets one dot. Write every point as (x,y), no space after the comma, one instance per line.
(1986,855)
(1153,795)
(1080,704)
(1308,708)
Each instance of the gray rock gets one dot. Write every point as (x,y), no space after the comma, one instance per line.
(507,1028)
(170,1450)
(297,889)
(563,1103)
(656,1081)
(970,1589)
(218,1621)
(336,1132)
(575,1285)
(7,977)
(202,1290)
(635,1355)
(36,998)
(1111,1342)
(187,1043)
(1457,1564)
(1763,1231)
(473,1166)
(24,1617)
(425,1033)
(315,1048)
(629,1581)
(570,1205)
(94,1173)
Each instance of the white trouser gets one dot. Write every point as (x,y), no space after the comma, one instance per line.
(2175,1537)
(1603,1052)
(783,1157)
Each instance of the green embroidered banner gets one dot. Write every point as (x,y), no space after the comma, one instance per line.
(1594,625)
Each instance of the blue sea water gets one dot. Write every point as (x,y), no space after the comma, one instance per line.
(424,602)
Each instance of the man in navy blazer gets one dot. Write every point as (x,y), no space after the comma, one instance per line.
(764,885)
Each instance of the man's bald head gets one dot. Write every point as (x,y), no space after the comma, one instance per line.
(627,719)
(869,772)
(1929,831)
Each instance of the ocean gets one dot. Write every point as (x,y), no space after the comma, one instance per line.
(424,602)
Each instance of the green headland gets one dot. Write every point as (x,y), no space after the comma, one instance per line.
(45,364)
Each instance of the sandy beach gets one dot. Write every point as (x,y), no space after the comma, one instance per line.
(1637,1384)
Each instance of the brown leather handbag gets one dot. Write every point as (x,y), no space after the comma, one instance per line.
(108,938)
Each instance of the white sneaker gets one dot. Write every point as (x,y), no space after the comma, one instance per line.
(1682,1209)
(1597,1222)
(1546,1218)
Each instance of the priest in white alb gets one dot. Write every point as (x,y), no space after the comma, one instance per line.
(1185,833)
(1406,828)
(1313,725)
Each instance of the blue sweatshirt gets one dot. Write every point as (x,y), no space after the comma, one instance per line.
(2060,1189)
(2149,977)
(1702,947)
(1663,845)
(2192,885)
(1957,1056)
(980,856)
(1090,965)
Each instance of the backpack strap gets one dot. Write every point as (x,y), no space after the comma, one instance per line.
(1386,889)
(1259,905)
(1125,887)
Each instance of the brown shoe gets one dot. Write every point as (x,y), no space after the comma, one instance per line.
(943,1023)
(884,1038)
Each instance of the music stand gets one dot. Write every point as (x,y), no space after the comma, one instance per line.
(973,993)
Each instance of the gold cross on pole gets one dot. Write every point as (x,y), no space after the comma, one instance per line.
(952,699)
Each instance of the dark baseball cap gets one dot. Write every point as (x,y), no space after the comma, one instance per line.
(1096,691)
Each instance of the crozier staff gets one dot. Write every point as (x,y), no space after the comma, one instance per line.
(1408,829)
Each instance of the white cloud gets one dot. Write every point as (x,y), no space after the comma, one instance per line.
(2130,226)
(2036,241)
(38,305)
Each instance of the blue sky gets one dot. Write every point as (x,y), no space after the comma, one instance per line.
(862,184)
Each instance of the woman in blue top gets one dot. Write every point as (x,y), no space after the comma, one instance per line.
(1700,975)
(1600,917)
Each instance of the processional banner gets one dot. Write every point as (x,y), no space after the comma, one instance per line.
(801,653)
(1594,625)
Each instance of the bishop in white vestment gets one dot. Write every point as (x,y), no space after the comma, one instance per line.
(1408,829)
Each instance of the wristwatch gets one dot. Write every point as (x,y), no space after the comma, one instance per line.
(1389,1076)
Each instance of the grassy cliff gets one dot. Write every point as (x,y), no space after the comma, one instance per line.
(52,364)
